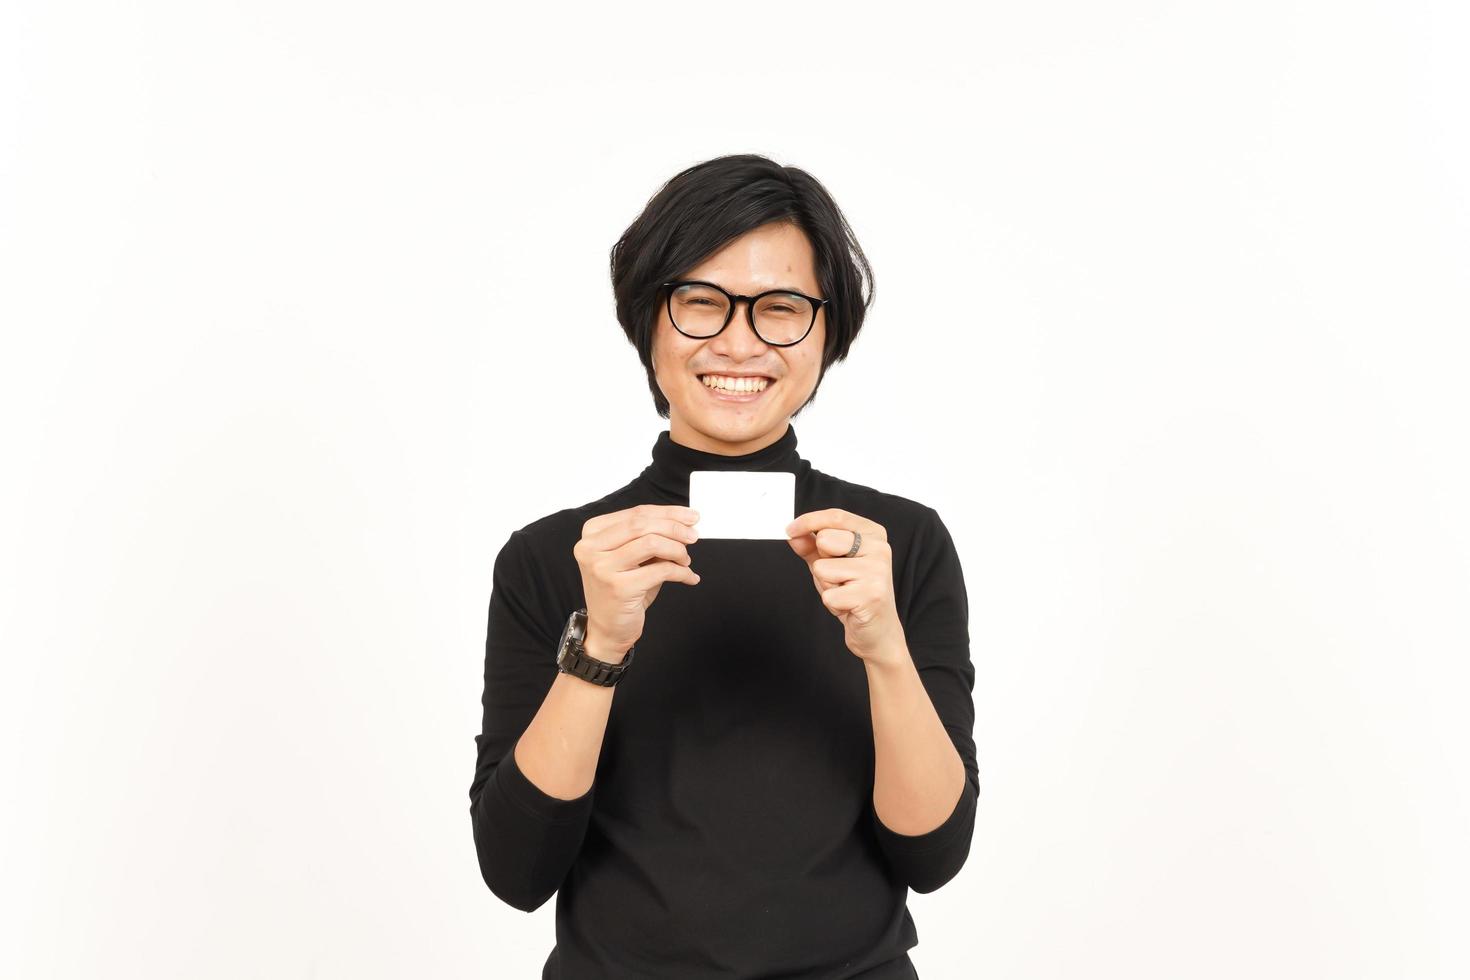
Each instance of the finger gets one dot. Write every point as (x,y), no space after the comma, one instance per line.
(673,512)
(841,598)
(839,541)
(835,517)
(646,577)
(814,520)
(645,549)
(614,536)
(836,571)
(806,550)
(805,546)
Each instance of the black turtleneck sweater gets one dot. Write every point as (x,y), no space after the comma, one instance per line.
(730,830)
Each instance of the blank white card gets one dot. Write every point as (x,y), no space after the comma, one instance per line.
(742,503)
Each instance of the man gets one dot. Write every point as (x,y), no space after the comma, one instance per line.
(789,748)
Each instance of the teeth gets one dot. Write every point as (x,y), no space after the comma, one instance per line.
(722,383)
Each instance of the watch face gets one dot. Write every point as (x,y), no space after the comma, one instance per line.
(573,627)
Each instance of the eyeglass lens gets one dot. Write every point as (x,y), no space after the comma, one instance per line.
(780,318)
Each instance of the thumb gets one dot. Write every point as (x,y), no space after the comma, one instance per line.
(805,546)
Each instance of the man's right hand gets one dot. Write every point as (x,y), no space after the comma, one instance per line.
(625,558)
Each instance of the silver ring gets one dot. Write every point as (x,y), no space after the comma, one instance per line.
(857,542)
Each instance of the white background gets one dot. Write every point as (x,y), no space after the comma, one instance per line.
(1170,328)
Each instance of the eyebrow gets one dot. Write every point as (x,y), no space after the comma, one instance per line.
(773,289)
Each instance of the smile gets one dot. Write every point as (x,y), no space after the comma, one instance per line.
(735,389)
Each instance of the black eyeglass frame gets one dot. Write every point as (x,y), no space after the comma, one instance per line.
(750,301)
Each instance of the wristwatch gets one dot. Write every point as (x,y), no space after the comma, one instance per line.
(572,658)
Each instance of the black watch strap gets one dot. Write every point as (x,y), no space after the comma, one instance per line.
(572,658)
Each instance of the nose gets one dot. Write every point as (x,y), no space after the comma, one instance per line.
(738,340)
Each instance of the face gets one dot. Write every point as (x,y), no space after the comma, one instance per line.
(770,257)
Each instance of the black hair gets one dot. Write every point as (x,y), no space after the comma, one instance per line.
(704,207)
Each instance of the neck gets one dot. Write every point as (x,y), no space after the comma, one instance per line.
(692,438)
(673,461)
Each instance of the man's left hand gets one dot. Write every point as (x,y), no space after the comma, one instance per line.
(857,590)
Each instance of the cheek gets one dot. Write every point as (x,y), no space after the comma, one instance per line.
(671,350)
(660,353)
(811,366)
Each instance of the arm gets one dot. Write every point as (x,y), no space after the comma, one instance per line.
(541,735)
(926,781)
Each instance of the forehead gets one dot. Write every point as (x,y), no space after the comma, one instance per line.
(769,257)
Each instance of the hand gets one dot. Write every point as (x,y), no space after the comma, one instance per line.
(626,557)
(857,590)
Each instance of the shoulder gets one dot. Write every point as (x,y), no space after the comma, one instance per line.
(564,526)
(545,543)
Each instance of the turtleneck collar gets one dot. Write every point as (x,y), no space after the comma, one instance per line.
(672,463)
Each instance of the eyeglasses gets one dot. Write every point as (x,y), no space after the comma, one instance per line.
(779,317)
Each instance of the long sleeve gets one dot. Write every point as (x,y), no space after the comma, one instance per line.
(526,839)
(936,625)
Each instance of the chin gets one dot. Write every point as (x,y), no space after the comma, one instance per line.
(731,424)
